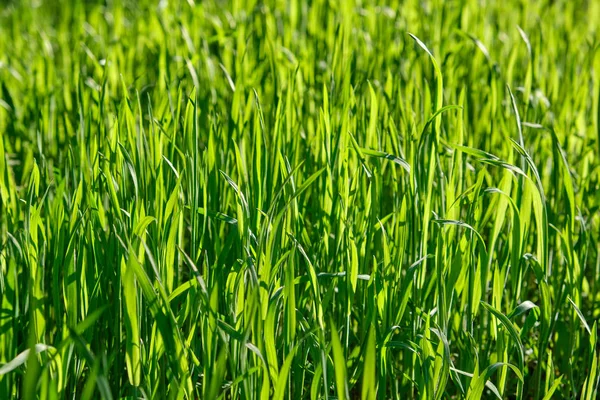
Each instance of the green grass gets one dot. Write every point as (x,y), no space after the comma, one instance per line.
(309,200)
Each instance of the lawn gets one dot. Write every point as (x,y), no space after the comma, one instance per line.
(288,199)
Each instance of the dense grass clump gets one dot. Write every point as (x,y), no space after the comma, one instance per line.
(299,199)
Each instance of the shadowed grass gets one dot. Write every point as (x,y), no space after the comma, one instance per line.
(327,199)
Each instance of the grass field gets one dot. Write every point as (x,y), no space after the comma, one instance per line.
(290,199)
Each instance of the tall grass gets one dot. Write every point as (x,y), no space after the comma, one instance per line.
(290,199)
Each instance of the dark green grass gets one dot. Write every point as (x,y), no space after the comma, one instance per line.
(289,199)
